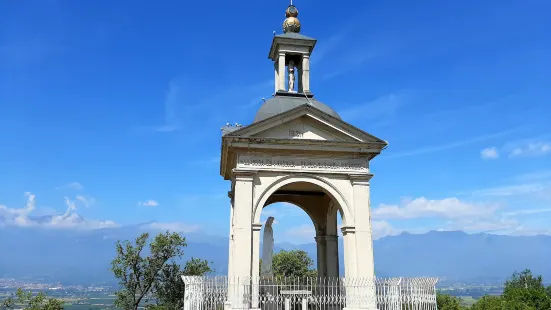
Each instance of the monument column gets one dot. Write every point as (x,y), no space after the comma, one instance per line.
(243,208)
(281,73)
(230,257)
(256,265)
(305,73)
(364,238)
(276,76)
(331,242)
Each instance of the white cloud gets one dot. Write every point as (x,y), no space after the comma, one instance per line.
(174,227)
(382,229)
(72,186)
(23,217)
(489,153)
(531,149)
(87,201)
(451,145)
(449,208)
(173,100)
(148,203)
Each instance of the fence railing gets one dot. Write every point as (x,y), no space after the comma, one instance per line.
(212,293)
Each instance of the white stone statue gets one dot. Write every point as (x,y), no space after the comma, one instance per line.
(291,68)
(267,249)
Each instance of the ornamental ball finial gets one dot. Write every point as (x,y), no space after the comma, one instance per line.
(291,23)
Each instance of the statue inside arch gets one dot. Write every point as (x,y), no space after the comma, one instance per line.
(267,249)
(291,69)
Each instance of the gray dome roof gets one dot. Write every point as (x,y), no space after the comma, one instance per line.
(279,104)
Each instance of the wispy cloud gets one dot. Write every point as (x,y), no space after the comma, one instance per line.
(148,203)
(72,185)
(448,208)
(174,227)
(452,145)
(23,217)
(531,149)
(514,190)
(383,107)
(86,200)
(173,101)
(489,153)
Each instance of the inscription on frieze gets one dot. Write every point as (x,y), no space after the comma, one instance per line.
(296,134)
(302,163)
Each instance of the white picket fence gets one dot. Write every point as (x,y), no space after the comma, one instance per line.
(212,293)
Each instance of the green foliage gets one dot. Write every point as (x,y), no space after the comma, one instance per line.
(295,263)
(169,287)
(525,290)
(489,303)
(137,273)
(197,267)
(27,301)
(447,302)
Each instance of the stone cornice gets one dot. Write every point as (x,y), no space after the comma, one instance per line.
(360,179)
(257,226)
(348,230)
(243,175)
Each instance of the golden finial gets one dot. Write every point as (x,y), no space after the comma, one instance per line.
(291,23)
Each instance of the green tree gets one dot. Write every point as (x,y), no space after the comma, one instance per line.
(489,303)
(525,289)
(295,263)
(30,302)
(137,272)
(170,289)
(448,302)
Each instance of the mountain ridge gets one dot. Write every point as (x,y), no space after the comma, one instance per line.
(84,256)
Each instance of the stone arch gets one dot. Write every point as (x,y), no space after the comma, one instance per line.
(327,187)
(296,204)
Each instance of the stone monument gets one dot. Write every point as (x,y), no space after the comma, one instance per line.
(299,150)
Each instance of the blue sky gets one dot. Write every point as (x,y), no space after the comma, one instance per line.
(109,107)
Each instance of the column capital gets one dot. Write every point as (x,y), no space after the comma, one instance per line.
(348,230)
(281,53)
(360,179)
(306,56)
(257,226)
(326,238)
(243,175)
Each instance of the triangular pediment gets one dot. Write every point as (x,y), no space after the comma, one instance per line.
(306,123)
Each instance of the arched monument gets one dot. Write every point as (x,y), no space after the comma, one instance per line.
(299,150)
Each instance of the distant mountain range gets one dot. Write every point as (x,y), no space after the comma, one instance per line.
(82,257)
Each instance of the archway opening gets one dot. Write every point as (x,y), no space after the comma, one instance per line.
(319,222)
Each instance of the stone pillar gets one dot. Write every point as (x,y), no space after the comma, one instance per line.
(332,254)
(230,248)
(282,75)
(276,75)
(321,256)
(241,268)
(331,241)
(364,240)
(350,253)
(299,75)
(306,73)
(255,288)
